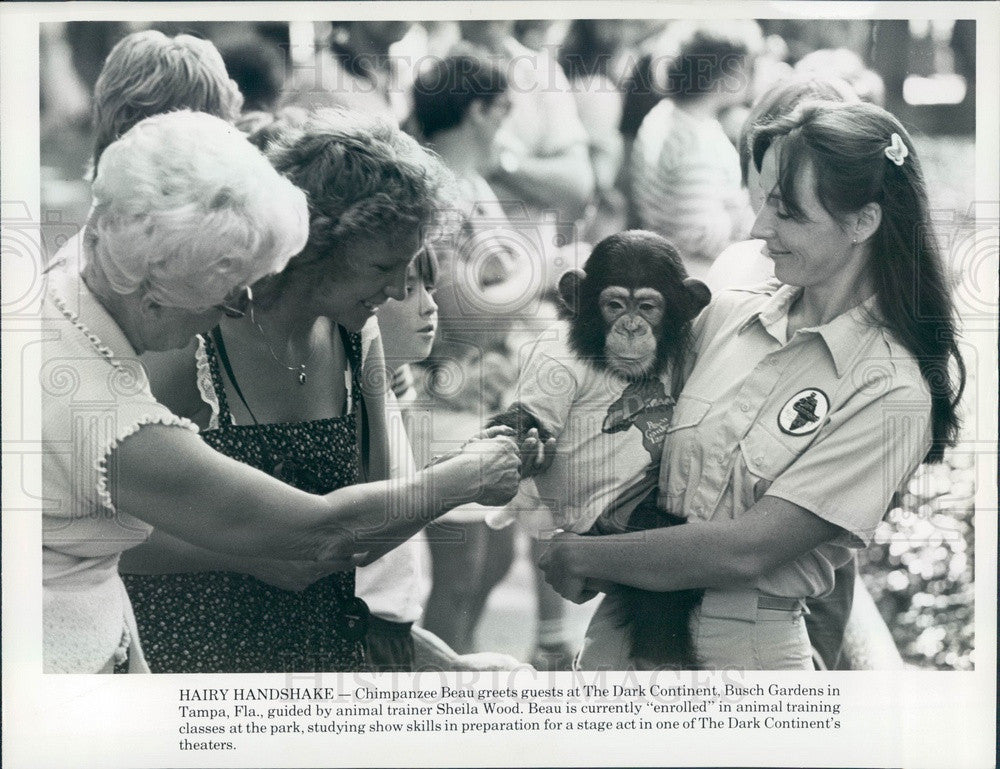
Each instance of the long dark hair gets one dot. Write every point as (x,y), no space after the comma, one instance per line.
(845,144)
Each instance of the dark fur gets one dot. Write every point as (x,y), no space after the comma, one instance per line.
(519,419)
(658,622)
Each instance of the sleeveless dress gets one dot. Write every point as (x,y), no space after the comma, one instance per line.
(222,622)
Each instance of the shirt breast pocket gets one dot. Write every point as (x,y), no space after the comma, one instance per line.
(684,449)
(688,412)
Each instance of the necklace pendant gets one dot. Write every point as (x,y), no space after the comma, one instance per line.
(302,377)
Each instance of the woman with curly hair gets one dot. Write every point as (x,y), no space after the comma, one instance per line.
(186,215)
(297,389)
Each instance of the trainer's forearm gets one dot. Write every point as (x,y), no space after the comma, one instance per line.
(698,554)
(672,558)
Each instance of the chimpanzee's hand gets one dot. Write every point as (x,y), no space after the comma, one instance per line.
(536,455)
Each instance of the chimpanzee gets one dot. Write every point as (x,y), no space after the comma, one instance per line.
(613,362)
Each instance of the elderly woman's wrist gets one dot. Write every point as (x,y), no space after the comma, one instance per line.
(457,480)
(572,558)
(442,485)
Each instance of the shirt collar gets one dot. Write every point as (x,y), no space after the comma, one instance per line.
(74,300)
(842,335)
(774,309)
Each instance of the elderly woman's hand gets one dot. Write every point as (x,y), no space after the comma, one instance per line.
(536,455)
(361,525)
(499,466)
(558,563)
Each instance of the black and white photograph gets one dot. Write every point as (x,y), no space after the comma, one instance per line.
(522,374)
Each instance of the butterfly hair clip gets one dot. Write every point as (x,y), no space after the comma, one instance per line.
(896,151)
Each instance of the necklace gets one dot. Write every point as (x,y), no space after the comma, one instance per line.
(299,367)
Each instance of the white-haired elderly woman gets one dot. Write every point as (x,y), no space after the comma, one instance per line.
(186,215)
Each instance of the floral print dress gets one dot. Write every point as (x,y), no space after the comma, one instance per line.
(222,622)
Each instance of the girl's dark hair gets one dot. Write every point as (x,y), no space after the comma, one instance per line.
(427,266)
(845,145)
(583,52)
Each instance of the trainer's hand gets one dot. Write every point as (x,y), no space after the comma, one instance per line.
(556,562)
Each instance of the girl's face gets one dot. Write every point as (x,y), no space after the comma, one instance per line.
(375,271)
(408,324)
(814,251)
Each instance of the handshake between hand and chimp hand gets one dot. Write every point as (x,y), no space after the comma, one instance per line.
(537,445)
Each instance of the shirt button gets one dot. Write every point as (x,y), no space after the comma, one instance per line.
(720,457)
(744,407)
(759,459)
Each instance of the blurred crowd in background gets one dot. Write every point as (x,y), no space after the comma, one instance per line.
(921,71)
(582,128)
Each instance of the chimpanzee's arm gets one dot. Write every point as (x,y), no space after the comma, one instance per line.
(537,444)
(519,419)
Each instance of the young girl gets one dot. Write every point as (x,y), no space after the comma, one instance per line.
(295,387)
(393,585)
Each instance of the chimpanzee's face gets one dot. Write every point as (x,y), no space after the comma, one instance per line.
(632,322)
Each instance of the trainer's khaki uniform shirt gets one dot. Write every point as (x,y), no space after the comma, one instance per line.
(833,419)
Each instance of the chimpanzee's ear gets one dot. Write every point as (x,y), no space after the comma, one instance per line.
(569,289)
(698,293)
